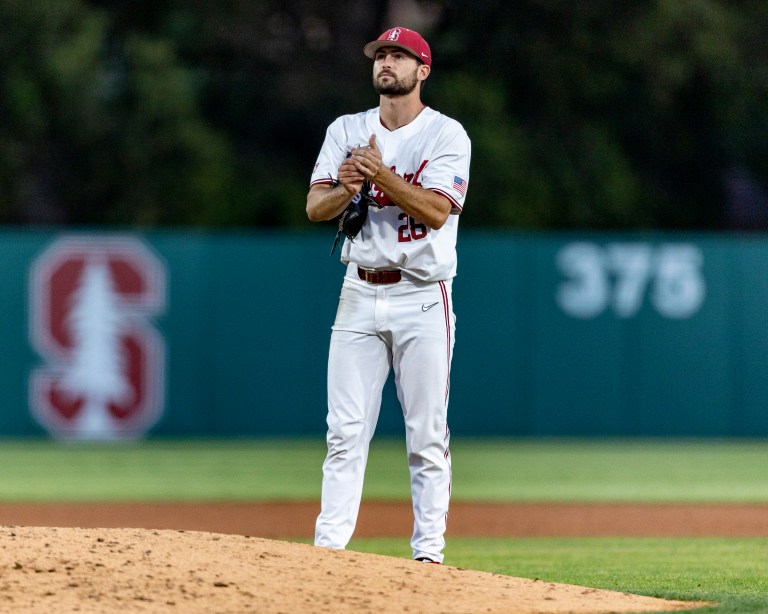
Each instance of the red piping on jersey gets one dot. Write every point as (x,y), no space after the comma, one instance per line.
(452,200)
(324,181)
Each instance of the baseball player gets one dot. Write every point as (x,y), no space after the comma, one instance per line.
(412,165)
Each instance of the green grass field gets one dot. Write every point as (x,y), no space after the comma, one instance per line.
(732,572)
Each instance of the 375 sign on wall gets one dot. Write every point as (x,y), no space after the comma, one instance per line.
(620,278)
(92,301)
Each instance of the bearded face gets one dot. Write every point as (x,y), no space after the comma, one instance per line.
(387,83)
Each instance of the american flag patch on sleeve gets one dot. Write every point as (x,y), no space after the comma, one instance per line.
(459,185)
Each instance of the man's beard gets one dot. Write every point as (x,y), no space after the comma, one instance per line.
(396,87)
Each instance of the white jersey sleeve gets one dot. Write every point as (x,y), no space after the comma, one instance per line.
(448,171)
(331,155)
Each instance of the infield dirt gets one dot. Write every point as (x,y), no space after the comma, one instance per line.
(186,557)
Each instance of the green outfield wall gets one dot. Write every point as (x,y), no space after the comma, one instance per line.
(111,335)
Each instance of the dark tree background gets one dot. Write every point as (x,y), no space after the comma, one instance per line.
(639,114)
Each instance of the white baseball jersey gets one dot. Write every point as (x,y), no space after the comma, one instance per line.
(433,152)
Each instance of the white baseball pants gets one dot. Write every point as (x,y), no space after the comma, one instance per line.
(409,327)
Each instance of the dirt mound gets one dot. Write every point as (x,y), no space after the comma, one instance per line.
(141,570)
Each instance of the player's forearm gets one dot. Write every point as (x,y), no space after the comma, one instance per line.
(424,205)
(325,202)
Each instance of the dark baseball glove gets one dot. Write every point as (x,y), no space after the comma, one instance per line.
(353,218)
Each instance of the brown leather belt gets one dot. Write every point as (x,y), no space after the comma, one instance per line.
(379,277)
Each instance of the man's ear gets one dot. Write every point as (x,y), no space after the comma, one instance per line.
(424,71)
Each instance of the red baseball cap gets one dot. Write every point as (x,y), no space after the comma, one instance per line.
(404,38)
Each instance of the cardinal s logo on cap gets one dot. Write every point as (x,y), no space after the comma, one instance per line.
(394,34)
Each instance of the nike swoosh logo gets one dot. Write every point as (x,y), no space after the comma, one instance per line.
(428,307)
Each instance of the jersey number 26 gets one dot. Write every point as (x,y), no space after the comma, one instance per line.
(410,230)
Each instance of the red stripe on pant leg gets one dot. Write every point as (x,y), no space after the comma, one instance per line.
(447,314)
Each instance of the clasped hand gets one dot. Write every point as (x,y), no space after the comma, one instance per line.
(363,163)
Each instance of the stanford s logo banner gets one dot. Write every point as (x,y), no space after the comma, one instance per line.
(91,301)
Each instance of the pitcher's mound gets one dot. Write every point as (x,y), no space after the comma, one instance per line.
(138,570)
